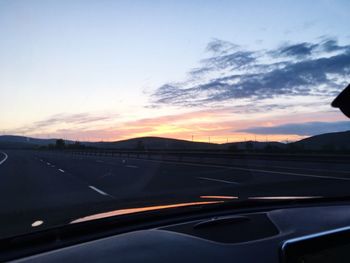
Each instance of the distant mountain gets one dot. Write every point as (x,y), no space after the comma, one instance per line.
(338,141)
(15,141)
(327,142)
(23,139)
(156,143)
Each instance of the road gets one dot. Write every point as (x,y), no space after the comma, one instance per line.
(49,188)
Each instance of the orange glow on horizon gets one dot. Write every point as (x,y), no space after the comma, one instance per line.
(215,126)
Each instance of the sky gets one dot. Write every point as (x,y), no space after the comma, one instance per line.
(208,70)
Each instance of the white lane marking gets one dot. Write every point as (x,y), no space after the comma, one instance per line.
(48,163)
(98,190)
(131,166)
(217,180)
(3,160)
(62,171)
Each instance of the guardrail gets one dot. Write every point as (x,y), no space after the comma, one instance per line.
(210,156)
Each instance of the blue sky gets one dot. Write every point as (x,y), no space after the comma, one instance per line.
(107,60)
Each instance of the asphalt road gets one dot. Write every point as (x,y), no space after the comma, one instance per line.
(40,188)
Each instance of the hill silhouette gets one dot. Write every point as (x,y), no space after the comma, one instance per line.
(16,141)
(336,141)
(330,142)
(156,143)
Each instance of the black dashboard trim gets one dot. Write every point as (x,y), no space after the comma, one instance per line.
(310,238)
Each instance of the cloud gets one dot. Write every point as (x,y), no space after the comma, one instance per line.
(298,50)
(303,129)
(71,120)
(220,46)
(80,118)
(233,60)
(233,74)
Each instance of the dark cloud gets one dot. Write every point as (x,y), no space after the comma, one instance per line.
(297,50)
(330,45)
(232,73)
(304,129)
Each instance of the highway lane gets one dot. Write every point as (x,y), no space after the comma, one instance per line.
(41,182)
(32,190)
(54,187)
(125,177)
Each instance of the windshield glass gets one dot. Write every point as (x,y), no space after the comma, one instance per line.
(111,108)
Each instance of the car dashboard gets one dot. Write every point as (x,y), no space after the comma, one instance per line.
(297,234)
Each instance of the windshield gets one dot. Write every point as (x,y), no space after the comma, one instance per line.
(111,108)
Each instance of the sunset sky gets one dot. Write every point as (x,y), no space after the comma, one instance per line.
(224,70)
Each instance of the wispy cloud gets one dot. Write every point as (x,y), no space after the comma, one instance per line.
(232,73)
(78,120)
(303,129)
